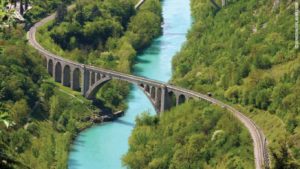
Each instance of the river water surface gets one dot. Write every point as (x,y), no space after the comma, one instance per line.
(102,146)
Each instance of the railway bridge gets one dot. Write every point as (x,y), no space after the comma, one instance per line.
(88,80)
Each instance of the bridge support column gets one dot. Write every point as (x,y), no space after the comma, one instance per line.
(163,99)
(91,79)
(48,67)
(71,79)
(157,99)
(177,99)
(86,81)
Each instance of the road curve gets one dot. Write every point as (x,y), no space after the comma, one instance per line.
(259,140)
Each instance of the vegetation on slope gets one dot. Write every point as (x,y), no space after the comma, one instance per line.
(39,118)
(193,135)
(244,54)
(107,35)
(43,119)
(41,9)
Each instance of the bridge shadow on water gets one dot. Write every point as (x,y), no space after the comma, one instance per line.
(141,60)
(77,143)
(154,48)
(138,71)
(131,96)
(73,164)
(123,122)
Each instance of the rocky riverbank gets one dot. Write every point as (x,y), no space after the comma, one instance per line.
(103,117)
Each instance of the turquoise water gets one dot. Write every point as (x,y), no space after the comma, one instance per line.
(102,146)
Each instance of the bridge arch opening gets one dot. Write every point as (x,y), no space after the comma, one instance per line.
(171,100)
(142,86)
(58,72)
(50,67)
(158,98)
(98,77)
(181,99)
(76,79)
(87,80)
(67,76)
(94,91)
(93,79)
(152,93)
(147,89)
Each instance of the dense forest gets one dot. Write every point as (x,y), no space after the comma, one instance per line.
(242,53)
(34,109)
(107,34)
(193,135)
(245,54)
(38,117)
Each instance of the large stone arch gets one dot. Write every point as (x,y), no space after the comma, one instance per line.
(67,76)
(58,72)
(50,67)
(76,78)
(91,93)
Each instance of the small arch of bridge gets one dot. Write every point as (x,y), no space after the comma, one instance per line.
(50,67)
(58,72)
(67,76)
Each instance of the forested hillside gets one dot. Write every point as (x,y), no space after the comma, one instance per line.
(193,135)
(107,34)
(38,117)
(244,54)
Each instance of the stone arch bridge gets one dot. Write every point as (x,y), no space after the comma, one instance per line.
(88,79)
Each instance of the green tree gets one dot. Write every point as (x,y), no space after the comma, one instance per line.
(61,12)
(20,111)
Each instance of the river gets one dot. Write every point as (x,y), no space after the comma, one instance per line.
(102,146)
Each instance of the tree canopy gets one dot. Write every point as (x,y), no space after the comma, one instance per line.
(245,54)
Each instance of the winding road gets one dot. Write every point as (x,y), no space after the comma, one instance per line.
(259,140)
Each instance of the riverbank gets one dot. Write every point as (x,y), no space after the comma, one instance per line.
(103,146)
(138,30)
